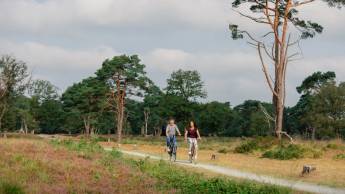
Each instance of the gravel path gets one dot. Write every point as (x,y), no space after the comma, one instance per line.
(296,185)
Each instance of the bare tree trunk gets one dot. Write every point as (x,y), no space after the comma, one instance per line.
(120,112)
(146,117)
(25,126)
(2,115)
(279,107)
(142,131)
(87,125)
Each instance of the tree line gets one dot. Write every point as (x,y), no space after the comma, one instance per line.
(120,90)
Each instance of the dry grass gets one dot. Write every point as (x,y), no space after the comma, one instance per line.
(329,171)
(38,167)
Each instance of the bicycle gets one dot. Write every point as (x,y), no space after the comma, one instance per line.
(192,155)
(172,149)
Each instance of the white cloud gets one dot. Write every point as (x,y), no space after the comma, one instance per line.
(53,14)
(60,65)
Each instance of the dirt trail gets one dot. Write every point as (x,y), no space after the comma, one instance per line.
(296,185)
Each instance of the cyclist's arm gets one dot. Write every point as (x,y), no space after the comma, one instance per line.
(178,131)
(197,131)
(167,131)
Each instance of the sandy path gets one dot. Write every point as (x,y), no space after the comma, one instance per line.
(296,185)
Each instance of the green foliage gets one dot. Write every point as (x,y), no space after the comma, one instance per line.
(259,143)
(186,84)
(85,101)
(10,188)
(284,152)
(215,117)
(247,147)
(333,146)
(85,106)
(340,157)
(109,157)
(314,82)
(307,29)
(129,70)
(327,114)
(42,90)
(13,82)
(80,146)
(249,119)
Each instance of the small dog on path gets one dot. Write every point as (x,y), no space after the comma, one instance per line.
(307,169)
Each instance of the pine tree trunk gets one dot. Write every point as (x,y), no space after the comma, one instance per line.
(120,115)
(87,125)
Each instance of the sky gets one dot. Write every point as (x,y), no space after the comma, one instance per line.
(65,41)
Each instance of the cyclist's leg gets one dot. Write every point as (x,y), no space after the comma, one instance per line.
(190,144)
(195,149)
(168,143)
(167,140)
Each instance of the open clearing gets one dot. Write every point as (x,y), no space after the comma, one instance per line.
(301,186)
(329,171)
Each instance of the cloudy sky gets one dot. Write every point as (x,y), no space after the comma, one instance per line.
(65,41)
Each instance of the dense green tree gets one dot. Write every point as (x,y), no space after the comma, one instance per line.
(42,90)
(314,82)
(251,119)
(27,119)
(214,117)
(85,100)
(153,103)
(295,121)
(13,82)
(126,77)
(50,117)
(186,84)
(327,113)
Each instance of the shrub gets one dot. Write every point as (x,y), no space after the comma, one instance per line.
(10,188)
(259,143)
(284,152)
(332,146)
(340,157)
(79,146)
(247,147)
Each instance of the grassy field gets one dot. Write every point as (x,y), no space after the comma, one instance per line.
(78,166)
(326,156)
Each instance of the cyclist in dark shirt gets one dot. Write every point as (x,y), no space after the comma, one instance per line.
(192,135)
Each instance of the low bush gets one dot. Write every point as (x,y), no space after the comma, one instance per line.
(80,146)
(284,152)
(332,146)
(259,143)
(340,157)
(247,147)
